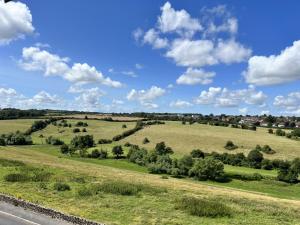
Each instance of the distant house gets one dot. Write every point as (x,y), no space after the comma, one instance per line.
(281,125)
(264,124)
(297,125)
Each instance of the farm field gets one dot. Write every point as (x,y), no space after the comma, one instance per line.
(7,126)
(99,129)
(184,138)
(153,205)
(101,116)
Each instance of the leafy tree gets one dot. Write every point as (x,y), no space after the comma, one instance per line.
(197,153)
(64,149)
(76,130)
(82,142)
(255,158)
(207,168)
(2,142)
(162,149)
(124,126)
(185,164)
(230,146)
(117,151)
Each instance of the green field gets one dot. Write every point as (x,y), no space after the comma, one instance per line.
(99,129)
(184,138)
(7,126)
(262,202)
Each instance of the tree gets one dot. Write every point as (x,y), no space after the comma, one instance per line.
(76,130)
(162,149)
(185,164)
(2,142)
(230,146)
(146,141)
(255,158)
(197,153)
(207,169)
(82,142)
(64,149)
(270,131)
(124,126)
(117,151)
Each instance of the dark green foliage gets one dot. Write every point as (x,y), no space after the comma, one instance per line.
(104,141)
(137,155)
(162,149)
(267,164)
(203,207)
(163,164)
(296,132)
(2,141)
(54,141)
(59,186)
(76,130)
(146,141)
(85,192)
(184,164)
(118,151)
(84,130)
(82,142)
(127,144)
(96,154)
(246,177)
(81,124)
(17,177)
(119,188)
(197,153)
(255,158)
(267,149)
(64,149)
(270,131)
(280,132)
(289,172)
(17,138)
(230,146)
(124,126)
(207,169)
(18,113)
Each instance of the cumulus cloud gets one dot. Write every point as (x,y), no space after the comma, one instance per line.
(89,98)
(36,59)
(275,69)
(194,76)
(290,104)
(145,97)
(15,21)
(152,37)
(179,21)
(243,111)
(180,104)
(223,97)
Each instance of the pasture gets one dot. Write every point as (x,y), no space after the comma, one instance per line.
(7,126)
(184,138)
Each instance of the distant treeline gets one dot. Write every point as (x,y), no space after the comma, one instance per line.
(6,114)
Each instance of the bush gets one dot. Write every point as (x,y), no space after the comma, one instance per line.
(17,177)
(54,141)
(162,165)
(84,130)
(280,132)
(137,155)
(270,131)
(10,163)
(117,151)
(267,149)
(146,141)
(64,149)
(104,141)
(255,158)
(162,149)
(41,176)
(197,153)
(203,207)
(207,168)
(230,146)
(81,124)
(246,177)
(76,130)
(85,192)
(61,186)
(124,126)
(2,142)
(185,164)
(82,142)
(267,164)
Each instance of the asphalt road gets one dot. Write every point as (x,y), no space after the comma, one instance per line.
(12,215)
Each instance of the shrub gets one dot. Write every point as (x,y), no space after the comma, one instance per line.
(2,142)
(17,177)
(246,177)
(76,130)
(124,126)
(185,164)
(255,158)
(137,155)
(207,168)
(280,132)
(104,141)
(230,146)
(64,149)
(146,141)
(119,188)
(162,149)
(267,164)
(84,130)
(81,124)
(54,141)
(270,131)
(203,207)
(95,154)
(41,176)
(117,151)
(197,153)
(10,163)
(85,192)
(267,149)
(82,142)
(61,186)
(127,144)
(163,164)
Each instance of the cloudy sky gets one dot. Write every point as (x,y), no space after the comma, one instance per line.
(208,56)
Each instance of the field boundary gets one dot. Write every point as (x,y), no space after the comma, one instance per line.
(46,211)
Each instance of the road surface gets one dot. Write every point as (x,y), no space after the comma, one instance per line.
(12,215)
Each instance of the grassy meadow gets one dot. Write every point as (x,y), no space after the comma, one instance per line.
(7,126)
(184,138)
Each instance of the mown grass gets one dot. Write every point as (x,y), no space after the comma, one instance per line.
(184,138)
(7,126)
(99,129)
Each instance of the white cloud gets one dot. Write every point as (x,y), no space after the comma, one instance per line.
(275,69)
(243,111)
(129,73)
(170,86)
(137,34)
(289,103)
(177,21)
(35,59)
(117,102)
(15,22)
(152,37)
(194,76)
(231,98)
(44,97)
(90,98)
(145,97)
(265,112)
(198,53)
(180,104)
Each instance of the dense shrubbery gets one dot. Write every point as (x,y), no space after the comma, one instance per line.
(81,124)
(118,151)
(54,141)
(104,141)
(82,142)
(59,186)
(197,153)
(6,114)
(39,125)
(96,154)
(16,138)
(76,130)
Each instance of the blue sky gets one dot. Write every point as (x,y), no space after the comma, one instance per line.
(235,57)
